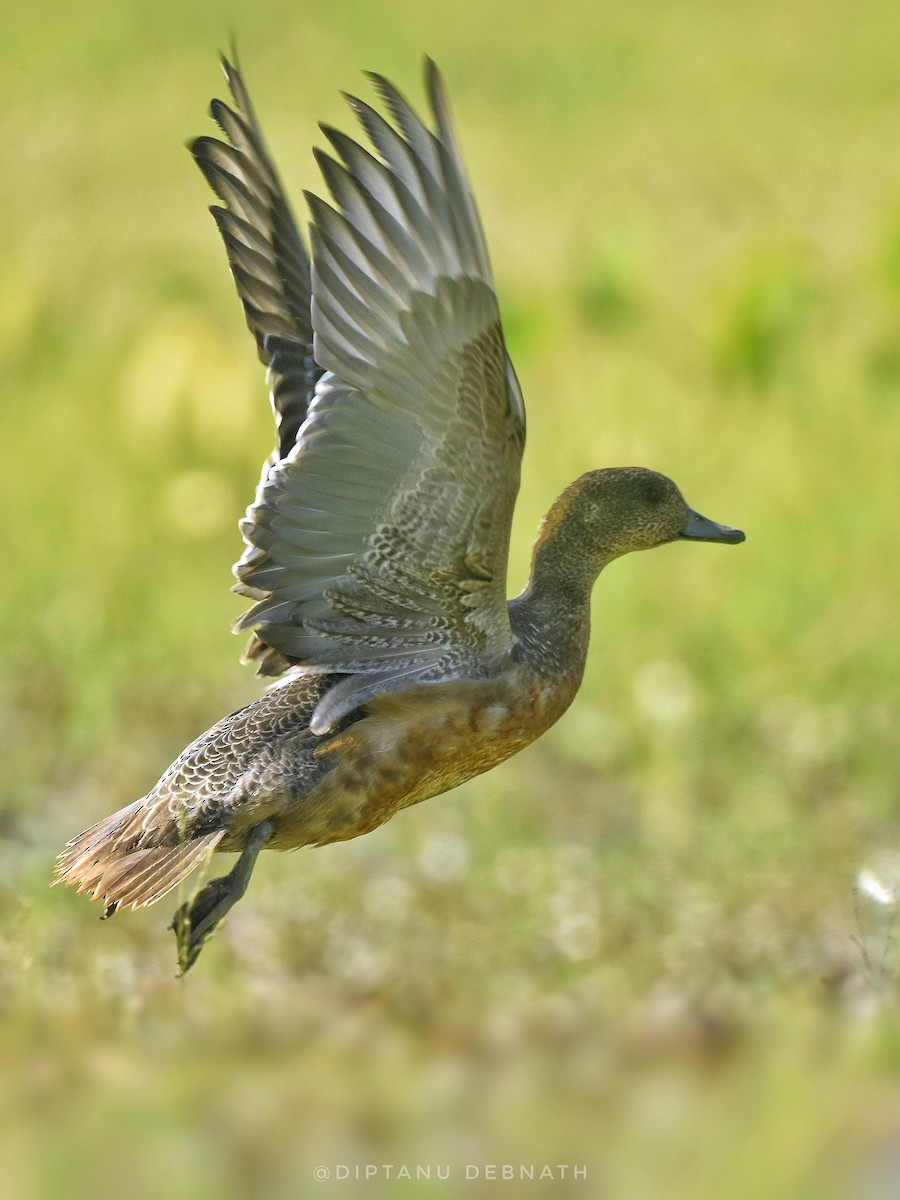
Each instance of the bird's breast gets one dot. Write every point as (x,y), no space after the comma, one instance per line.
(420,742)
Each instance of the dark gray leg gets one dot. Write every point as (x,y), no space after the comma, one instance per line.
(197,918)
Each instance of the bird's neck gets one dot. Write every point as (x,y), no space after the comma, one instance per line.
(551,618)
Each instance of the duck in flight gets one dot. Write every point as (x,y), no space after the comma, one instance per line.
(376,546)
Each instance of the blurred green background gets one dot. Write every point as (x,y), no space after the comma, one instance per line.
(658,944)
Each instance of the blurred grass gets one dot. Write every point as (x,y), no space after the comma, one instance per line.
(638,946)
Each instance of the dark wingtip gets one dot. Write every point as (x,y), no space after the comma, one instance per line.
(231,62)
(434,80)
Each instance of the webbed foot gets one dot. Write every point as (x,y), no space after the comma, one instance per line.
(196,919)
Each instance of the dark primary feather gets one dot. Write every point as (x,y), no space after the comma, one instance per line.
(267,257)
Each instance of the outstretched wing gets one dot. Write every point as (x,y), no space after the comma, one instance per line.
(377,548)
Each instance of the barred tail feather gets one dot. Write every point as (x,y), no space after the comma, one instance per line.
(108,861)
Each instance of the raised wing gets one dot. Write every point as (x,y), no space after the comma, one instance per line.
(377,548)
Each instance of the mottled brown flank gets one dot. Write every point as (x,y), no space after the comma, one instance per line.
(209,798)
(262,764)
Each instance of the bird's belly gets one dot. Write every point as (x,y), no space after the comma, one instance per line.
(414,745)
